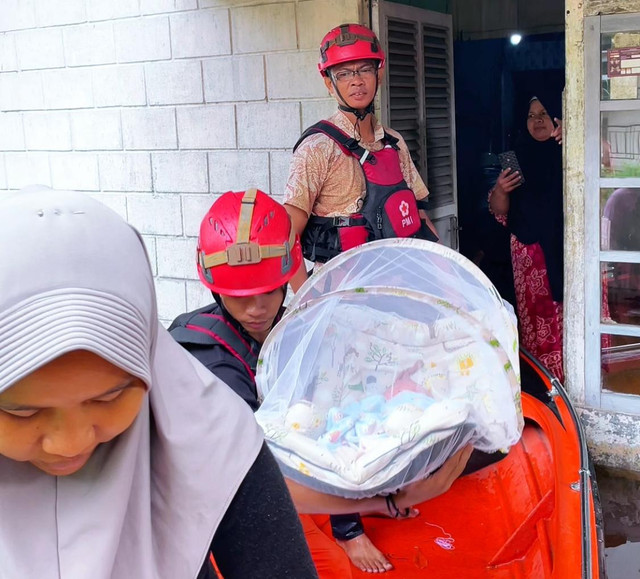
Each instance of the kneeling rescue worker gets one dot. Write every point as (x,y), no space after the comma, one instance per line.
(247,253)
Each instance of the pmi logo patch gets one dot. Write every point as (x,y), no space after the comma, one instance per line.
(404,208)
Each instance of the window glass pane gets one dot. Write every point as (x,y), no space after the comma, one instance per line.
(620,65)
(620,144)
(621,293)
(620,219)
(621,364)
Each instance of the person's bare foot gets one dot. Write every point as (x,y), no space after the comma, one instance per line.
(365,555)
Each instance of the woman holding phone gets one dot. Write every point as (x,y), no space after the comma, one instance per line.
(530,203)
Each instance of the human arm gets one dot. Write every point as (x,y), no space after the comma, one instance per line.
(299,219)
(499,199)
(428,222)
(309,501)
(260,534)
(308,173)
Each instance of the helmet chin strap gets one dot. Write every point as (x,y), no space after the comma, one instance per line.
(360,114)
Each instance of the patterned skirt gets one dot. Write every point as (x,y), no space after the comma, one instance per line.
(539,317)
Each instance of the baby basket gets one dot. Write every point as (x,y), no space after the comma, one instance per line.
(390,358)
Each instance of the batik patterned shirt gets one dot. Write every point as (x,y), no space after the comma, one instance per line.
(326,182)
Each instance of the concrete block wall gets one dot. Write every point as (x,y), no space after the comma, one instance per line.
(155,107)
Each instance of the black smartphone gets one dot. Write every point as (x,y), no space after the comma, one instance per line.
(508,160)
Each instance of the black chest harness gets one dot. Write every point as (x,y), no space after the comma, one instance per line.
(207,327)
(389,208)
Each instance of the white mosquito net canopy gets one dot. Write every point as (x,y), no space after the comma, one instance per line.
(390,358)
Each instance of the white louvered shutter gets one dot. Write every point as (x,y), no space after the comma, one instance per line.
(439,112)
(419,102)
(404,88)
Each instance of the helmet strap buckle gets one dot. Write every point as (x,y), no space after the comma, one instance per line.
(347,38)
(287,260)
(243,254)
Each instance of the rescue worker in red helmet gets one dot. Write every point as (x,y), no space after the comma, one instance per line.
(247,252)
(351,180)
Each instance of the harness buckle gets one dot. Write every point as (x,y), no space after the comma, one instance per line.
(341,221)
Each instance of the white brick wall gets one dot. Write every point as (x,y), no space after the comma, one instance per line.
(24,169)
(148,128)
(75,171)
(142,39)
(240,78)
(101,10)
(3,176)
(279,170)
(89,44)
(175,82)
(295,68)
(8,56)
(54,12)
(264,28)
(155,214)
(17,15)
(317,17)
(11,132)
(180,172)
(207,127)
(122,86)
(201,33)
(96,129)
(237,170)
(314,111)
(171,295)
(155,107)
(125,172)
(67,88)
(158,6)
(21,91)
(268,125)
(39,48)
(176,257)
(194,207)
(47,131)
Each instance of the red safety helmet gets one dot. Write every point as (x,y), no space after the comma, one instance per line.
(247,245)
(346,43)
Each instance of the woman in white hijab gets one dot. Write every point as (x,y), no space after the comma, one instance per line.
(120,456)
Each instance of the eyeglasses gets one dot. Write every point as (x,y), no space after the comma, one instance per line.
(346,74)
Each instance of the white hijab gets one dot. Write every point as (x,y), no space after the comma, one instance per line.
(74,275)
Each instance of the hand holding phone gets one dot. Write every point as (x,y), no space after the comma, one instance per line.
(508,160)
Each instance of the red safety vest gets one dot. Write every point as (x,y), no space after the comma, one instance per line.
(389,208)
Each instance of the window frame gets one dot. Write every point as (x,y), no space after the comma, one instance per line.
(595,396)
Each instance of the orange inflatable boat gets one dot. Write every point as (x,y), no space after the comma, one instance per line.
(535,514)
